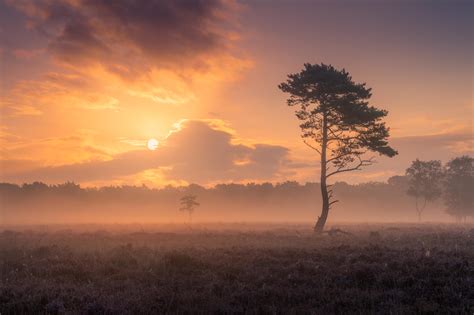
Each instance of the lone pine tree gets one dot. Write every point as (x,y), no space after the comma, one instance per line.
(337,122)
(188,204)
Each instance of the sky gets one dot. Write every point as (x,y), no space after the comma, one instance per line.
(85,84)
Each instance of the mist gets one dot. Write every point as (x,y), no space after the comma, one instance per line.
(291,202)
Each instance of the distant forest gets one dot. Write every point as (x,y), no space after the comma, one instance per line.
(39,203)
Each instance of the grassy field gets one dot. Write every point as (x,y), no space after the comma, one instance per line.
(396,269)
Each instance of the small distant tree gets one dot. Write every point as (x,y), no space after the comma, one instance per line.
(424,183)
(188,204)
(337,122)
(459,187)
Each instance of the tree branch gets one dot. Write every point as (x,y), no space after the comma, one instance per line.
(309,145)
(336,136)
(355,168)
(339,156)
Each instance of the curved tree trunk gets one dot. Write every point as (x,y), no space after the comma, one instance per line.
(319,227)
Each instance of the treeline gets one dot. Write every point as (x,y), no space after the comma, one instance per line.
(289,201)
(439,192)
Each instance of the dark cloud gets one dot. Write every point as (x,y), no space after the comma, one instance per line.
(132,32)
(197,152)
(77,42)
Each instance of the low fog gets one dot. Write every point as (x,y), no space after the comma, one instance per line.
(288,202)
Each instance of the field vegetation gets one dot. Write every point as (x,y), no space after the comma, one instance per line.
(237,268)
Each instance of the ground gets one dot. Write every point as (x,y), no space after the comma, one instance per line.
(398,269)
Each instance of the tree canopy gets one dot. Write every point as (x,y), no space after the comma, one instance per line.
(188,203)
(425,179)
(354,127)
(459,183)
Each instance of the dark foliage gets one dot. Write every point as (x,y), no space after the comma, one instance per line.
(324,93)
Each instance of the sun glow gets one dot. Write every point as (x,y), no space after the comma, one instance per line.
(152,144)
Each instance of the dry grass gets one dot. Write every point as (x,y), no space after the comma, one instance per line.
(238,269)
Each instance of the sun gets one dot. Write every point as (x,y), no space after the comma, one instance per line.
(152,144)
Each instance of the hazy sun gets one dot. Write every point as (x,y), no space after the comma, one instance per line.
(152,144)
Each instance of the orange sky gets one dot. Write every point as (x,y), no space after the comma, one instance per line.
(85,84)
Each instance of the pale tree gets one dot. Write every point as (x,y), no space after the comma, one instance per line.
(459,187)
(337,122)
(188,204)
(424,183)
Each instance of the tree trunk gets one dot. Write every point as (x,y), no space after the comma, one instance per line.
(319,227)
(418,209)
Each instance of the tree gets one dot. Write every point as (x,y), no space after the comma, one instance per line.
(337,122)
(188,203)
(424,182)
(459,183)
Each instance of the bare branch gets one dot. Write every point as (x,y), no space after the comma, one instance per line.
(309,145)
(362,163)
